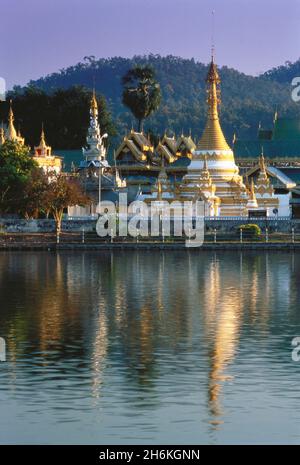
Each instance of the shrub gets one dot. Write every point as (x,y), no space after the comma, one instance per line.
(250,230)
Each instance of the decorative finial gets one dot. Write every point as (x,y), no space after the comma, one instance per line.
(94,104)
(212,36)
(262,160)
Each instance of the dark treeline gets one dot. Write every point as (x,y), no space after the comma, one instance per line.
(285,73)
(246,100)
(63,112)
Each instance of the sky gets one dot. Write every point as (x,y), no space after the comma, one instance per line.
(38,37)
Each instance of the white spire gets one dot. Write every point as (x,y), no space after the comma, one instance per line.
(95,149)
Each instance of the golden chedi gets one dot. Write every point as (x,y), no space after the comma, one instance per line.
(228,184)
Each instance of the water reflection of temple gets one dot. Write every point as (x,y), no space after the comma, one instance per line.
(145,312)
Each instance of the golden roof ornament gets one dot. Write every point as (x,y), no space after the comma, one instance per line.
(42,150)
(262,165)
(43,140)
(252,190)
(263,184)
(252,201)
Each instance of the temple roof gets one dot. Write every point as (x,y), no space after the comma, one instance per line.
(274,173)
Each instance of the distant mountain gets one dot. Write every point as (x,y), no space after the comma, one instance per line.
(246,100)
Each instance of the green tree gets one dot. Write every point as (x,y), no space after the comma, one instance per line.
(141,92)
(63,192)
(16,166)
(33,202)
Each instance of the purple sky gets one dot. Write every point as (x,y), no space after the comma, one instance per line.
(39,37)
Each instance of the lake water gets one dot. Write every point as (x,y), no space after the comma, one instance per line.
(149,347)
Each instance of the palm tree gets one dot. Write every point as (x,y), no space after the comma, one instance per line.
(141,92)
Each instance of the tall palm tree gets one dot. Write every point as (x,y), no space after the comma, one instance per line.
(141,92)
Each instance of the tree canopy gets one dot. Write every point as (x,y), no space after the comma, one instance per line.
(16,166)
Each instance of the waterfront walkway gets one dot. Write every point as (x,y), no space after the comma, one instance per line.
(90,241)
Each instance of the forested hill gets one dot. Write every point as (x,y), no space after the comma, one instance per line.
(284,74)
(246,100)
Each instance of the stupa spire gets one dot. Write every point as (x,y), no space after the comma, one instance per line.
(95,149)
(43,139)
(11,130)
(94,105)
(262,164)
(2,136)
(213,138)
(42,150)
(252,201)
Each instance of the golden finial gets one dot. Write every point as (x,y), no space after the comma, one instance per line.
(11,131)
(2,137)
(43,139)
(94,104)
(212,35)
(262,160)
(10,113)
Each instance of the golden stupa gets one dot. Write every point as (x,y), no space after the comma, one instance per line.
(229,195)
(11,133)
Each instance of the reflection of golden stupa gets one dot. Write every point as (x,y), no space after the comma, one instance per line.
(228,184)
(222,320)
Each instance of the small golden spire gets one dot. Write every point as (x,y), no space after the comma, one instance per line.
(262,164)
(11,131)
(43,140)
(94,104)
(2,136)
(263,182)
(252,190)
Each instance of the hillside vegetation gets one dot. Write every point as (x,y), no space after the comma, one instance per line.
(246,100)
